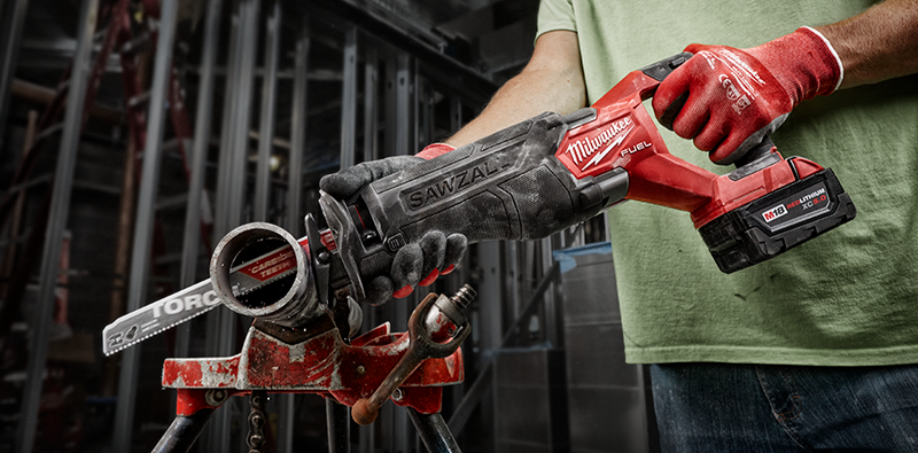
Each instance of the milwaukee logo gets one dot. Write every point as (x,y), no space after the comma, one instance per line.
(584,149)
(456,183)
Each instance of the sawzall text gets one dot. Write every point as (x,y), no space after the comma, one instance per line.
(455,183)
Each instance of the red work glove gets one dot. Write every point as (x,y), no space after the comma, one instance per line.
(734,97)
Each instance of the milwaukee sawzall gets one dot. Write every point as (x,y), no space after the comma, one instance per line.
(524,182)
(527,180)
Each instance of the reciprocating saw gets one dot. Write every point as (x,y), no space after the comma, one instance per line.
(524,182)
(531,179)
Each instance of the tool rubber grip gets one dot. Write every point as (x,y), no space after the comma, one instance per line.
(507,186)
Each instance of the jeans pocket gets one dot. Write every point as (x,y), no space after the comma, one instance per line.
(781,391)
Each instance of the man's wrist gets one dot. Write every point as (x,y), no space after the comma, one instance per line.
(803,62)
(838,62)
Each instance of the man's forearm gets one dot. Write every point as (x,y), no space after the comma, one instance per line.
(878,44)
(551,82)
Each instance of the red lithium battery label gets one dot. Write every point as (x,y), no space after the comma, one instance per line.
(799,207)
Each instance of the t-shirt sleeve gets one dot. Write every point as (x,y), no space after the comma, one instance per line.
(555,15)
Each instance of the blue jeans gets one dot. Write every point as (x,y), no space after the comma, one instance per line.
(756,408)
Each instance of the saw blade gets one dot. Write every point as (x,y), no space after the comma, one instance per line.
(158,316)
(262,271)
(195,300)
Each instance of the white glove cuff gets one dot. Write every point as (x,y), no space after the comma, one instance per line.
(841,68)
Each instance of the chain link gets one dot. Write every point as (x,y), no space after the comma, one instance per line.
(256,437)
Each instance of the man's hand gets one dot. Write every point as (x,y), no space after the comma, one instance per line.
(348,182)
(414,264)
(728,99)
(551,81)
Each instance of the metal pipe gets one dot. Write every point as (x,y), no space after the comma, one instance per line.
(266,126)
(547,322)
(145,218)
(455,117)
(60,208)
(338,420)
(294,221)
(43,95)
(425,117)
(289,302)
(434,432)
(225,163)
(235,155)
(473,396)
(125,228)
(349,100)
(203,117)
(247,40)
(13,19)
(266,142)
(16,224)
(399,135)
(370,96)
(404,100)
(285,415)
(183,432)
(463,78)
(370,152)
(217,436)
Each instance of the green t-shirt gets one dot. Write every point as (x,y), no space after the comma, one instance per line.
(849,297)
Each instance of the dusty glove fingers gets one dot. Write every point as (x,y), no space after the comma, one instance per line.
(421,263)
(418,263)
(349,181)
(441,254)
(433,247)
(378,290)
(434,255)
(406,269)
(456,245)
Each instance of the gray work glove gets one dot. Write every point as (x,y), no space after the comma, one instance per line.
(418,263)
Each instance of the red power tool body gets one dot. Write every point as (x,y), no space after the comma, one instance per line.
(774,203)
(549,172)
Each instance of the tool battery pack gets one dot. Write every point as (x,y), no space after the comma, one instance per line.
(777,222)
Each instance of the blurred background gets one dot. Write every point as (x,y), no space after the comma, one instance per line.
(134,134)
